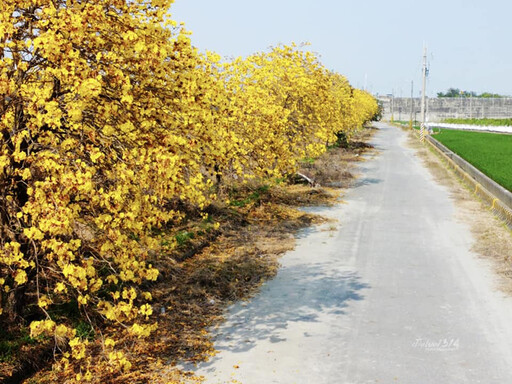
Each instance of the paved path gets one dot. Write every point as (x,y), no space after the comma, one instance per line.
(390,294)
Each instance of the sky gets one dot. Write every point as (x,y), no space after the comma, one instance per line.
(377,45)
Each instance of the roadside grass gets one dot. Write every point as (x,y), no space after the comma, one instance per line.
(485,122)
(491,153)
(207,267)
(405,124)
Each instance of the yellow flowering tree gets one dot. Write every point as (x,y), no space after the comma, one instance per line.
(366,107)
(278,102)
(109,121)
(284,106)
(101,115)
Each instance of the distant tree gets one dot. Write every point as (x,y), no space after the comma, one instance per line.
(452,92)
(490,95)
(456,92)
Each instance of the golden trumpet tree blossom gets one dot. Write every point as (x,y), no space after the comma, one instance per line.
(109,118)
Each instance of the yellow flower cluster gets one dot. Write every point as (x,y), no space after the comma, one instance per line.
(109,117)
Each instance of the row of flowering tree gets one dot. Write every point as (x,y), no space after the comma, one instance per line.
(108,116)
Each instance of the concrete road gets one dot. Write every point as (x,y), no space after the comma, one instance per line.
(389,294)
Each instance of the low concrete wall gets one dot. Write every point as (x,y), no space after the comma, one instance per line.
(439,109)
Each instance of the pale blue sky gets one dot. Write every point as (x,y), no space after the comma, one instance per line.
(469,42)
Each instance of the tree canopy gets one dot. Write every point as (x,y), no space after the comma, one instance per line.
(111,122)
(456,92)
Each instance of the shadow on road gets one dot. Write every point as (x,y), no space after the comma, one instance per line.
(299,294)
(366,181)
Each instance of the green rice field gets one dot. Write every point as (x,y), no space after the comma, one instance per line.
(491,153)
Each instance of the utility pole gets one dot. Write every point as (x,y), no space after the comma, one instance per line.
(424,73)
(471,105)
(412,104)
(392,105)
